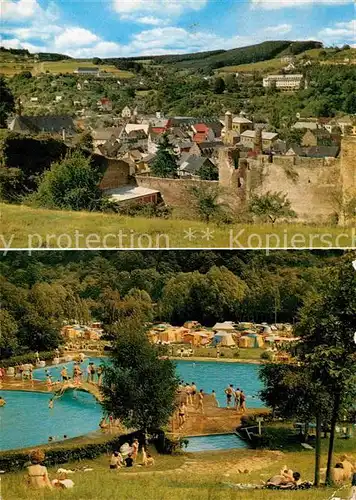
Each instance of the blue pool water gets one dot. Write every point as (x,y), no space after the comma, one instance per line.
(26,419)
(215,442)
(207,375)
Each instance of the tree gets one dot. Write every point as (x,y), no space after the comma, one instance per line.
(8,337)
(70,184)
(291,391)
(139,388)
(214,296)
(327,327)
(206,200)
(97,61)
(219,85)
(165,163)
(208,172)
(7,102)
(272,205)
(85,141)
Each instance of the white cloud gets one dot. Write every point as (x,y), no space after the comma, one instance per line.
(280,29)
(341,30)
(280,4)
(36,31)
(153,21)
(15,43)
(75,37)
(18,11)
(168,7)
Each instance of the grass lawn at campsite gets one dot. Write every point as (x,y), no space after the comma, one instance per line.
(190,476)
(26,227)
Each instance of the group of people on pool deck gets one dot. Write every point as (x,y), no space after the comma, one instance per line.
(237,396)
(189,395)
(93,375)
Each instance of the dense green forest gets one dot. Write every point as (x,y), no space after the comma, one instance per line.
(41,291)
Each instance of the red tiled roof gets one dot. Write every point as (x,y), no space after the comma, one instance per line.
(201,128)
(158,130)
(199,137)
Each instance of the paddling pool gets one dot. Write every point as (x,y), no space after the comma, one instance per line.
(26,419)
(215,442)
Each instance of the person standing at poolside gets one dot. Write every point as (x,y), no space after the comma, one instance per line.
(213,394)
(92,373)
(188,391)
(181,414)
(99,372)
(201,401)
(64,374)
(237,396)
(242,402)
(194,391)
(88,370)
(229,391)
(218,352)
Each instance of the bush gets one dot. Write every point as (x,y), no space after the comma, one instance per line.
(267,355)
(274,438)
(237,354)
(26,358)
(11,461)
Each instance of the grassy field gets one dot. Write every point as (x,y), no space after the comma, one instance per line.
(70,65)
(25,227)
(276,64)
(199,476)
(11,65)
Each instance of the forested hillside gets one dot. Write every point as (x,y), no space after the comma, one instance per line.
(41,291)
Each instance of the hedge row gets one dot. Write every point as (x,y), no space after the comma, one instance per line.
(26,358)
(12,461)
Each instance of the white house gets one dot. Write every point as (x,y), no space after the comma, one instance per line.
(126,112)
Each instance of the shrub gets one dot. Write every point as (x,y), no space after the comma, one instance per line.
(267,355)
(236,354)
(11,461)
(26,358)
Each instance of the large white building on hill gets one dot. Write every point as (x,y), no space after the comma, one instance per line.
(284,82)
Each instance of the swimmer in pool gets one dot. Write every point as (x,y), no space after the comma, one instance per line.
(50,404)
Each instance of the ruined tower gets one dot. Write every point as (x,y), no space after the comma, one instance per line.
(257,143)
(347,172)
(228,121)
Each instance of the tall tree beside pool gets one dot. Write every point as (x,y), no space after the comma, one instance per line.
(138,388)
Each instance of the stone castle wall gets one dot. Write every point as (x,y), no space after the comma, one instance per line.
(174,192)
(316,187)
(312,186)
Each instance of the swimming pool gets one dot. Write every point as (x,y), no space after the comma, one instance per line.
(26,420)
(207,375)
(214,442)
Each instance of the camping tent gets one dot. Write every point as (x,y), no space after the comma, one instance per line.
(227,326)
(256,340)
(196,338)
(224,339)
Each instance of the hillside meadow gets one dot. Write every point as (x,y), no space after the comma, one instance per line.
(198,476)
(27,227)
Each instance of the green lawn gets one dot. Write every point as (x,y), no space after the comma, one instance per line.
(26,227)
(199,476)
(68,66)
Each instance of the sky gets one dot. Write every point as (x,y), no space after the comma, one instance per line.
(123,28)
